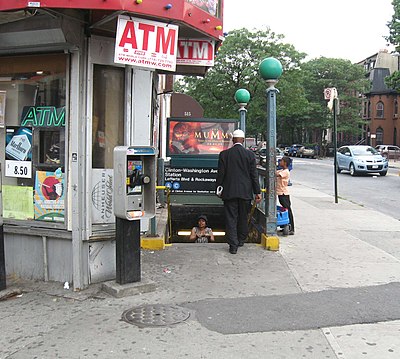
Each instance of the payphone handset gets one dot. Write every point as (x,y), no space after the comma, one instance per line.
(134,182)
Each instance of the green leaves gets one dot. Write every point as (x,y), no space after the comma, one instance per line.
(301,108)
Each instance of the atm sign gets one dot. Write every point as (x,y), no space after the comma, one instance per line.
(195,52)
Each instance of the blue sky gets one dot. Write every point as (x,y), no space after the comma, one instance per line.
(348,29)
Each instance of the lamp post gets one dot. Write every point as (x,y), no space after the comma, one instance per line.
(270,70)
(242,97)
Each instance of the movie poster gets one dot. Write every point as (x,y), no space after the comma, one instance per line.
(49,196)
(199,138)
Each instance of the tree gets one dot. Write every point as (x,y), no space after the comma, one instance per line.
(236,66)
(393,81)
(349,80)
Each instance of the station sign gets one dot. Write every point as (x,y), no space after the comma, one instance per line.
(190,180)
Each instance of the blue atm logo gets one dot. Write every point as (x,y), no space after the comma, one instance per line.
(43,116)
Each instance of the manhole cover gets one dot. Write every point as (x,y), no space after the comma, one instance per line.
(155,315)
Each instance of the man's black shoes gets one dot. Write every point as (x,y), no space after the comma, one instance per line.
(240,244)
(232,250)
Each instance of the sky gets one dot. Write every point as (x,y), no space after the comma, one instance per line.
(346,29)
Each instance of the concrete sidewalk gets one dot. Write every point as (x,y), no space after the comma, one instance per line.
(330,292)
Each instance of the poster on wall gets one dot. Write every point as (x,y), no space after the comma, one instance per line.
(102,196)
(49,196)
(17,202)
(198,137)
(18,152)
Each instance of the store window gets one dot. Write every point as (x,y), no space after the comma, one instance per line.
(32,131)
(108,114)
(107,132)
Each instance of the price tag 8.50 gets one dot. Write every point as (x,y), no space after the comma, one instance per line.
(20,169)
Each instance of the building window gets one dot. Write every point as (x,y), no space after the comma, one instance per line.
(32,121)
(369,109)
(395,108)
(379,109)
(379,136)
(395,136)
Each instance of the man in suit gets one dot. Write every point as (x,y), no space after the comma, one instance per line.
(237,175)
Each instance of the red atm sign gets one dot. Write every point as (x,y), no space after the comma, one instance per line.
(195,52)
(145,43)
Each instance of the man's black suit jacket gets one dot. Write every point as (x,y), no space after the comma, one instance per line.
(237,173)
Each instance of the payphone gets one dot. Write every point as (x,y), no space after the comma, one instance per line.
(134,182)
(134,199)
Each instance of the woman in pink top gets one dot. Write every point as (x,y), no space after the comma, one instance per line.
(282,182)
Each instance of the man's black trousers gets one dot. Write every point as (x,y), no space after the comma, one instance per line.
(236,214)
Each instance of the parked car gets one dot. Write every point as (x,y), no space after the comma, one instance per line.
(262,156)
(306,151)
(361,160)
(389,151)
(293,149)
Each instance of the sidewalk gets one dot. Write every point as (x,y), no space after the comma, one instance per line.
(330,292)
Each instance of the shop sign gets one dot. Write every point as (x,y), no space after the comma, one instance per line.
(145,43)
(43,116)
(195,52)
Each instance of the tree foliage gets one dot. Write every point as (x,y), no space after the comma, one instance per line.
(236,66)
(349,80)
(393,81)
(301,108)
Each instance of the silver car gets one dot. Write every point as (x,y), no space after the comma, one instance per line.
(361,160)
(262,154)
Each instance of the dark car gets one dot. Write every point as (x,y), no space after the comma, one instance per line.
(293,149)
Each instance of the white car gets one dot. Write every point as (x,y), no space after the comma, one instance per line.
(361,160)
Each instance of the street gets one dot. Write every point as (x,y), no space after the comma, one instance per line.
(331,291)
(372,191)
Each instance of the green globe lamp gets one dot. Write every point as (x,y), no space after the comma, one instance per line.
(242,97)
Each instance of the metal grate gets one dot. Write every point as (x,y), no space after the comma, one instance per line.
(155,315)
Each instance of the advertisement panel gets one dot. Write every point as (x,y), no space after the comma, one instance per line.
(145,43)
(18,152)
(102,196)
(198,137)
(49,196)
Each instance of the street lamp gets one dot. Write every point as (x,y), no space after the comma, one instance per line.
(270,70)
(242,97)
